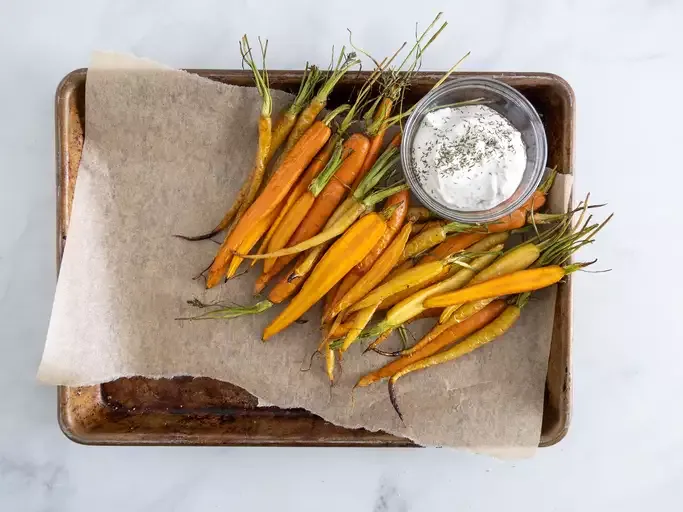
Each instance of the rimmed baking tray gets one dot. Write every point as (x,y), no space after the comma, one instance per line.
(201,411)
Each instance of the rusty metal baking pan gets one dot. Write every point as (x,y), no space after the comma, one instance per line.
(201,411)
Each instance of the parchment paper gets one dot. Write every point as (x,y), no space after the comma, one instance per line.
(165,153)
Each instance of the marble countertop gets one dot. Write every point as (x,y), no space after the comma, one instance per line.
(625,446)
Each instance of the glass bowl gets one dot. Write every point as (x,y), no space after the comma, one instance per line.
(509,103)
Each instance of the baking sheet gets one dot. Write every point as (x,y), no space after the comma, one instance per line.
(117,354)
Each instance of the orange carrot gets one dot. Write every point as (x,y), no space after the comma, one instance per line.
(287,120)
(518,218)
(337,224)
(393,225)
(342,256)
(376,139)
(465,328)
(252,184)
(300,209)
(275,191)
(355,148)
(517,282)
(317,165)
(496,328)
(249,241)
(319,101)
(375,275)
(452,245)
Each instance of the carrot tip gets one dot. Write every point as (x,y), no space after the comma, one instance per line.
(394,402)
(388,354)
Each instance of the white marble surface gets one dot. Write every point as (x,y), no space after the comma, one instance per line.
(625,447)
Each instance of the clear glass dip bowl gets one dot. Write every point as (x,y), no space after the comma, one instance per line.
(506,101)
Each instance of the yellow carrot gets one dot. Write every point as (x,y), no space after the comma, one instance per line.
(517,282)
(342,256)
(483,336)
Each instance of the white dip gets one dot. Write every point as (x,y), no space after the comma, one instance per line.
(468,158)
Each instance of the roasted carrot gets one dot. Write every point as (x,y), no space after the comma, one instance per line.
(425,274)
(525,213)
(360,322)
(275,191)
(356,205)
(370,159)
(307,117)
(300,209)
(374,276)
(355,148)
(418,274)
(399,269)
(251,185)
(517,258)
(429,238)
(481,337)
(520,217)
(415,303)
(516,282)
(419,214)
(452,245)
(329,363)
(344,287)
(460,315)
(293,280)
(376,138)
(402,201)
(553,247)
(472,324)
(393,225)
(342,256)
(422,226)
(249,241)
(287,119)
(317,165)
(329,300)
(342,329)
